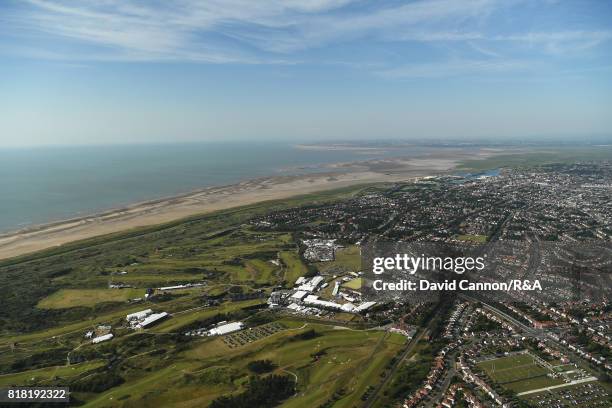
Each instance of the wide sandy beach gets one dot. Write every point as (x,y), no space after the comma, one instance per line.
(216,198)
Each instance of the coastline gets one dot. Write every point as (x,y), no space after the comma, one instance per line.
(206,200)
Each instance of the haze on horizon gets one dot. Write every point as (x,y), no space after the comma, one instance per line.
(97,72)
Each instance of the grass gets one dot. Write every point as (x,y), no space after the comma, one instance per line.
(294,267)
(140,389)
(79,327)
(260,271)
(209,368)
(65,298)
(40,376)
(159,367)
(533,384)
(472,238)
(212,247)
(380,357)
(177,321)
(518,373)
(347,260)
(232,214)
(503,364)
(354,284)
(545,156)
(344,353)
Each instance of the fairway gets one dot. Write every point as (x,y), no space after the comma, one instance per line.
(323,364)
(40,376)
(179,320)
(259,271)
(66,298)
(331,361)
(293,267)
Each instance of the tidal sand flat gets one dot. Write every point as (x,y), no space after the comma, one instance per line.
(209,199)
(165,210)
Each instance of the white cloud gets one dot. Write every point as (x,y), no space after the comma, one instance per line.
(236,30)
(274,31)
(538,37)
(562,43)
(455,68)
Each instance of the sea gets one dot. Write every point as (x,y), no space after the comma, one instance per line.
(46,184)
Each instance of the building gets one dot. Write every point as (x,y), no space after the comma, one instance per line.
(138,315)
(347,307)
(154,318)
(315,301)
(185,286)
(299,295)
(312,284)
(226,329)
(364,306)
(319,250)
(100,339)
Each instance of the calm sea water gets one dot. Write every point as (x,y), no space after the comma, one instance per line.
(40,185)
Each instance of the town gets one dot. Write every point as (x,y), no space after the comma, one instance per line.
(248,302)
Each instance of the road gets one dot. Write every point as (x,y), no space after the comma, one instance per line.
(415,340)
(539,334)
(522,326)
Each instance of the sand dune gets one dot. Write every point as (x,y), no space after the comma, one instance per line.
(217,198)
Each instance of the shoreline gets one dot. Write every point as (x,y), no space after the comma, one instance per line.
(214,198)
(148,213)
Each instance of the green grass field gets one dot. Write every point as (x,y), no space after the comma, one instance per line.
(293,267)
(533,384)
(347,260)
(472,238)
(65,298)
(210,368)
(547,156)
(55,296)
(178,321)
(518,373)
(43,375)
(354,284)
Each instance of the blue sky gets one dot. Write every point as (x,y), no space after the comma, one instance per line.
(120,71)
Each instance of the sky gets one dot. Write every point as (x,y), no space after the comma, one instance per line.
(125,71)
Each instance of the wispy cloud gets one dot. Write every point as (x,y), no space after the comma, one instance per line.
(456,68)
(236,30)
(276,31)
(561,42)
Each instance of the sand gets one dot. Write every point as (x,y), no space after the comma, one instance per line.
(217,198)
